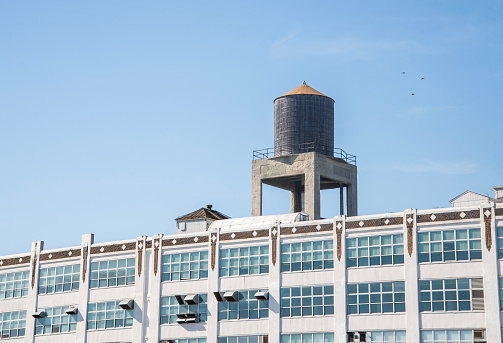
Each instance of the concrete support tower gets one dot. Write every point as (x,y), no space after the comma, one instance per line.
(303,161)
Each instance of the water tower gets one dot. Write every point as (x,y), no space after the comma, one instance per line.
(304,160)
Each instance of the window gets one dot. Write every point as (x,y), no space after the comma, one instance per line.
(247,307)
(385,337)
(376,297)
(374,250)
(318,337)
(170,308)
(55,320)
(242,339)
(184,340)
(244,261)
(59,279)
(14,285)
(108,314)
(451,336)
(499,234)
(451,295)
(12,324)
(112,273)
(185,266)
(449,245)
(307,301)
(307,256)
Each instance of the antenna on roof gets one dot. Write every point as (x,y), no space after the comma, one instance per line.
(304,82)
(209,207)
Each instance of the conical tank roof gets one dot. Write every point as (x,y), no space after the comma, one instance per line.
(303,89)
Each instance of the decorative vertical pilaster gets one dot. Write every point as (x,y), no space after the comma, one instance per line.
(85,260)
(32,301)
(411,276)
(140,301)
(274,244)
(213,286)
(213,249)
(340,280)
(155,284)
(410,223)
(490,269)
(274,285)
(488,224)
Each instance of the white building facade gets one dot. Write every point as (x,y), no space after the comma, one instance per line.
(414,276)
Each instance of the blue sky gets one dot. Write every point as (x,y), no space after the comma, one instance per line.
(118,116)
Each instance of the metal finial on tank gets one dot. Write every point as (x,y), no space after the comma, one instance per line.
(303,122)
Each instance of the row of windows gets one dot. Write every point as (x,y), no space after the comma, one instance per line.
(112,273)
(244,261)
(376,297)
(374,250)
(185,266)
(108,314)
(55,320)
(12,324)
(318,337)
(451,336)
(307,301)
(14,285)
(59,279)
(246,307)
(448,294)
(449,245)
(307,256)
(170,308)
(446,245)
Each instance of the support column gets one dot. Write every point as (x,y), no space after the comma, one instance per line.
(352,199)
(256,196)
(296,198)
(490,266)
(85,267)
(411,275)
(340,280)
(312,193)
(32,301)
(341,199)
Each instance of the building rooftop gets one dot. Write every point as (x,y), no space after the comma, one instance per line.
(203,213)
(259,221)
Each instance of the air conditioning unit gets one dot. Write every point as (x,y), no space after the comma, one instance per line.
(179,299)
(72,310)
(262,295)
(357,337)
(231,296)
(127,304)
(218,296)
(479,336)
(263,339)
(187,318)
(38,314)
(191,299)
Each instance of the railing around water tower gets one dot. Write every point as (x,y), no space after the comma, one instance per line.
(303,148)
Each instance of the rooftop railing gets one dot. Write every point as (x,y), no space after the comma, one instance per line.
(303,148)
